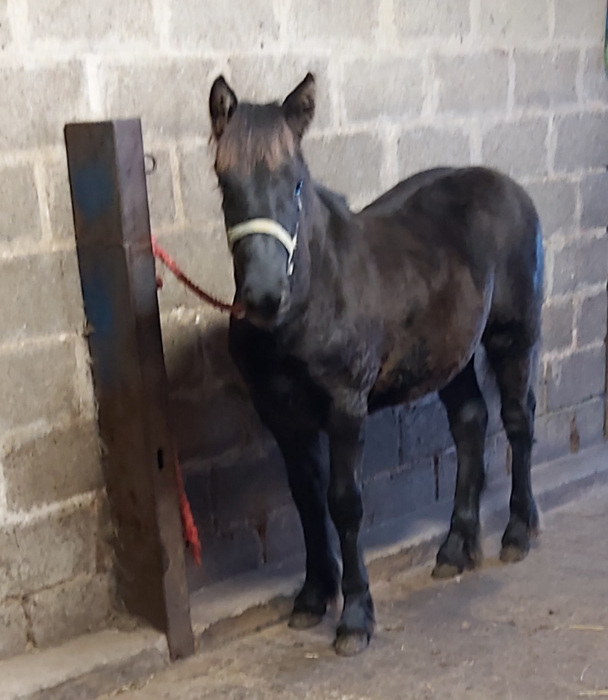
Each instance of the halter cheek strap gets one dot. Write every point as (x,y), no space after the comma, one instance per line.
(268,227)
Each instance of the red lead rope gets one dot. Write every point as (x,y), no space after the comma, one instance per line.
(168,262)
(189,529)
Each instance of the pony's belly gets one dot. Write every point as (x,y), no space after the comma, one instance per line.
(402,385)
(413,369)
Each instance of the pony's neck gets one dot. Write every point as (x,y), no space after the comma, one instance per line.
(324,234)
(331,222)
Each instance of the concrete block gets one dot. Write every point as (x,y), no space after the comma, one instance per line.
(57,193)
(517,148)
(105,556)
(197,354)
(584,20)
(497,456)
(52,467)
(576,378)
(489,389)
(184,361)
(592,319)
(340,21)
(231,425)
(5,30)
(283,537)
(558,321)
(249,489)
(233,552)
(263,78)
(545,79)
(169,95)
(382,439)
(200,191)
(86,666)
(160,191)
(206,389)
(19,212)
(83,604)
(540,390)
(594,195)
(595,85)
(515,22)
(428,147)
(45,296)
(445,469)
(397,493)
(574,428)
(382,87)
(203,256)
(579,263)
(13,624)
(415,18)
(111,21)
(31,391)
(350,164)
(47,551)
(555,202)
(37,102)
(475,82)
(581,141)
(240,25)
(424,430)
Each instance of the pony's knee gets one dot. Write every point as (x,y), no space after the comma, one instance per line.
(518,417)
(345,506)
(471,419)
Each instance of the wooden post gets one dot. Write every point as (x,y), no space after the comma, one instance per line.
(112,225)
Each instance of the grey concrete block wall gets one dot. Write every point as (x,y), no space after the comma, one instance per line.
(403,85)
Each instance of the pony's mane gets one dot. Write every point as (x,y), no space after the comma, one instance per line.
(336,203)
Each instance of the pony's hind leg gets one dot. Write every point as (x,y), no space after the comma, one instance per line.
(468,418)
(514,377)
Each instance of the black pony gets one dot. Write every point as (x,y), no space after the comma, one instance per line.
(343,314)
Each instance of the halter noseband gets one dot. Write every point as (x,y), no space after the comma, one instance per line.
(268,227)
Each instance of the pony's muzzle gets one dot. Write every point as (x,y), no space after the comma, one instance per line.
(264,308)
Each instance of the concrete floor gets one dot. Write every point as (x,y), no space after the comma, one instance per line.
(527,631)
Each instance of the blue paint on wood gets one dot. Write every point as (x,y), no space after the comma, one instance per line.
(93,190)
(99,308)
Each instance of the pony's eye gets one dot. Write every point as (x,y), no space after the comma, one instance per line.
(298,190)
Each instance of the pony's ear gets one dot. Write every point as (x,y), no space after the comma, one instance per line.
(222,103)
(299,106)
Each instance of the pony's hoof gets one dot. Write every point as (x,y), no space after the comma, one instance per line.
(457,554)
(516,540)
(351,644)
(304,620)
(444,571)
(511,554)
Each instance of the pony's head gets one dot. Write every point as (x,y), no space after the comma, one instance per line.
(264,181)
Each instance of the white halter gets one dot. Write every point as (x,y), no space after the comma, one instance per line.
(268,227)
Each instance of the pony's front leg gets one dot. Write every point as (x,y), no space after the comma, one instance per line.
(308,485)
(346,508)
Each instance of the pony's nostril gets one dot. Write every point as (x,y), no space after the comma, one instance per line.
(269,305)
(265,304)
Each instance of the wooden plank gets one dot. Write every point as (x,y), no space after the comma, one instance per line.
(112,225)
